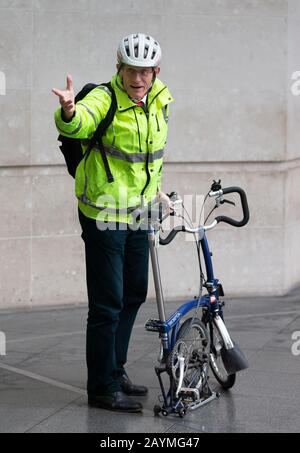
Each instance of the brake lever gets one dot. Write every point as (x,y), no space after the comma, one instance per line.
(227,201)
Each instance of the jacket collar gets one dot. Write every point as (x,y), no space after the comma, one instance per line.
(159,93)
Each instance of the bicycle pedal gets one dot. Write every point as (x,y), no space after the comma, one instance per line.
(154,325)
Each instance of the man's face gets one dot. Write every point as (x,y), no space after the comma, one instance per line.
(137,81)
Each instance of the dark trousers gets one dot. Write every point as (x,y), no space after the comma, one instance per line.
(117,281)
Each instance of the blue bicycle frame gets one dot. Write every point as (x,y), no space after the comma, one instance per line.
(174,353)
(168,328)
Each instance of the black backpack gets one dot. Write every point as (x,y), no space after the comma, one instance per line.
(71,147)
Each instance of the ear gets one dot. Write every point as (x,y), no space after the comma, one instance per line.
(157,70)
(120,67)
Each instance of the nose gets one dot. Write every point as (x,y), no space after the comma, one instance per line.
(137,76)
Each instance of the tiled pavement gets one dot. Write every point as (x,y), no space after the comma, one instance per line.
(43,374)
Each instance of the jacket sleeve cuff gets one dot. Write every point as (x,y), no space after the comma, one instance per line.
(67,128)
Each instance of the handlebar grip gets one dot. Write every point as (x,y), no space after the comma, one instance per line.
(245,208)
(171,235)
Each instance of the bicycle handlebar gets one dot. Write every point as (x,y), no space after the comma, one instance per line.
(245,208)
(229,220)
(171,235)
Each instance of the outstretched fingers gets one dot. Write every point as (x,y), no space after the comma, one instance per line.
(57,92)
(69,83)
(68,93)
(66,98)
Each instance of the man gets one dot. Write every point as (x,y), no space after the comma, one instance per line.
(117,258)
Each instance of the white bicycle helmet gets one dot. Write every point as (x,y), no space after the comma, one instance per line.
(139,50)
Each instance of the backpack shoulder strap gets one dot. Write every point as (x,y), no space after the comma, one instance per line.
(110,114)
(97,137)
(84,91)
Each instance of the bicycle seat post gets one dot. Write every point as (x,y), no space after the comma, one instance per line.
(156,274)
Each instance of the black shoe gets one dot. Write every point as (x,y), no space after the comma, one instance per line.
(116,401)
(131,389)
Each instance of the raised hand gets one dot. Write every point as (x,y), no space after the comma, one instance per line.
(67,98)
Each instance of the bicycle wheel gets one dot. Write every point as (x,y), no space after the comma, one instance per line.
(193,343)
(216,362)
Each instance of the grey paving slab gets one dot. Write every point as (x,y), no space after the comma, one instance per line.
(283,340)
(59,364)
(20,326)
(24,402)
(239,308)
(261,323)
(234,413)
(251,339)
(267,383)
(275,361)
(52,357)
(79,418)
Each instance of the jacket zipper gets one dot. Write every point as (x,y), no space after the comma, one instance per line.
(140,146)
(147,159)
(138,127)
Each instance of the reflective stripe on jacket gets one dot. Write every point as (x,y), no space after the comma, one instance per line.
(134,144)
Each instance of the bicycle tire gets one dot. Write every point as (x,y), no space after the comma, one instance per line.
(194,333)
(216,362)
